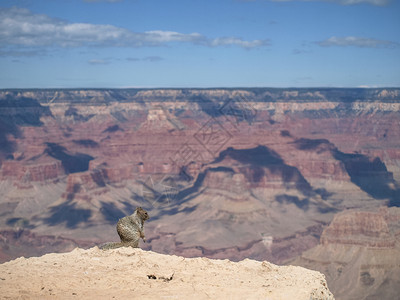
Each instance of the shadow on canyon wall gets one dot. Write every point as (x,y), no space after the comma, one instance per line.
(71,163)
(370,175)
(15,113)
(67,213)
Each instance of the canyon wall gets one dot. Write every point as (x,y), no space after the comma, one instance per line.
(359,253)
(224,173)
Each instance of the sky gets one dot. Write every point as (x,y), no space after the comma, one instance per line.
(199,43)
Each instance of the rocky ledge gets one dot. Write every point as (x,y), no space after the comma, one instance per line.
(128,273)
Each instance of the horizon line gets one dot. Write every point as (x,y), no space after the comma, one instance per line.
(198,88)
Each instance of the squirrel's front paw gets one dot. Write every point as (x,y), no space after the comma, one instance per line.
(144,240)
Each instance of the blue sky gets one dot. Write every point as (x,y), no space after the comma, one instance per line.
(199,43)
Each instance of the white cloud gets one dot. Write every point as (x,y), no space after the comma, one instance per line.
(225,41)
(19,53)
(20,27)
(147,58)
(373,2)
(300,51)
(132,59)
(109,60)
(153,58)
(343,2)
(99,62)
(356,42)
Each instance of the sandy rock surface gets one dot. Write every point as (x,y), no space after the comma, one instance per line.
(128,273)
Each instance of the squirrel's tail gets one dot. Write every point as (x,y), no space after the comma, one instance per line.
(115,245)
(112,245)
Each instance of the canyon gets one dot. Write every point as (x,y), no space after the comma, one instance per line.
(359,254)
(304,175)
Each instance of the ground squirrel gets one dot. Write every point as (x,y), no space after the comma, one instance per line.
(130,230)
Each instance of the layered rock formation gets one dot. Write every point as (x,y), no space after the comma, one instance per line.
(360,254)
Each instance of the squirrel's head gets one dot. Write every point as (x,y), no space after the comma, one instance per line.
(142,213)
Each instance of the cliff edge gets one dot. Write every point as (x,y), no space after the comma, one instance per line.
(135,273)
